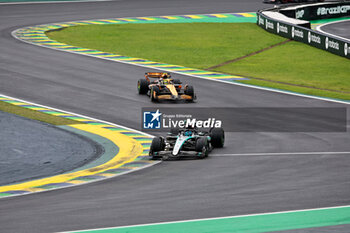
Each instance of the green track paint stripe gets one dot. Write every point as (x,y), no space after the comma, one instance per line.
(4,194)
(249,223)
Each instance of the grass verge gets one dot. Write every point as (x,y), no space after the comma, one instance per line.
(299,67)
(34,115)
(195,45)
(307,70)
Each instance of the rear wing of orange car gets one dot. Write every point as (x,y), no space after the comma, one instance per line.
(156,75)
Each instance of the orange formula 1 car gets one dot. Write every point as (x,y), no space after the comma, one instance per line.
(163,87)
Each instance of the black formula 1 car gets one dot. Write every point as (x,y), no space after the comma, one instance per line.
(187,142)
(164,87)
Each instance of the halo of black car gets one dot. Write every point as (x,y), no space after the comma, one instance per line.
(164,87)
(187,142)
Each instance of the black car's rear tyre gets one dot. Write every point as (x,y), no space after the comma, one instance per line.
(142,86)
(217,137)
(154,93)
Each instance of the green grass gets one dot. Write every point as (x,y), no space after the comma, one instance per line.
(307,67)
(202,45)
(35,115)
(198,45)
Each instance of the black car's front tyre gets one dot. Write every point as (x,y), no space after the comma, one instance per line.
(202,147)
(157,145)
(217,137)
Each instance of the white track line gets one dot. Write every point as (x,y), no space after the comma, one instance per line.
(222,81)
(318,28)
(94,119)
(284,153)
(216,218)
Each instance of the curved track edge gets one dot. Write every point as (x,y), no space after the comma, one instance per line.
(131,156)
(36,35)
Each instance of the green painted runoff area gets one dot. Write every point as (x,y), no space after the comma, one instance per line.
(293,66)
(109,148)
(246,224)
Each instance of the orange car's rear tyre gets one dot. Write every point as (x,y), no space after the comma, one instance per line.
(190,91)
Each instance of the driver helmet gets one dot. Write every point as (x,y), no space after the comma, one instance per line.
(188,133)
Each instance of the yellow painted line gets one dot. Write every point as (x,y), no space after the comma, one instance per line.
(128,59)
(245,14)
(39,108)
(169,17)
(76,23)
(219,15)
(104,125)
(143,62)
(57,44)
(63,25)
(65,46)
(110,55)
(19,103)
(129,150)
(41,40)
(93,22)
(94,52)
(76,181)
(111,21)
(193,16)
(140,136)
(145,18)
(129,20)
(33,189)
(60,114)
(82,120)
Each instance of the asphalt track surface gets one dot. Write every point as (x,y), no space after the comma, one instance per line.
(174,190)
(32,149)
(339,29)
